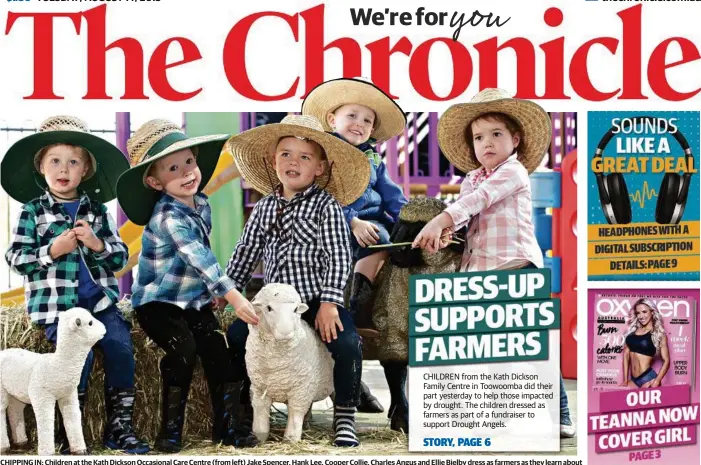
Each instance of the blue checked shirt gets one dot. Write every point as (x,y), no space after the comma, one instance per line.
(304,242)
(177,265)
(51,286)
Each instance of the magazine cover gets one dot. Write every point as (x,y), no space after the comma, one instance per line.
(643,195)
(325,233)
(643,375)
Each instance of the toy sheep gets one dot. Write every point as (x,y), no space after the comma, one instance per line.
(44,379)
(286,361)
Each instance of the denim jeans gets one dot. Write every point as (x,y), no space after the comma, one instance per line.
(346,352)
(564,405)
(115,345)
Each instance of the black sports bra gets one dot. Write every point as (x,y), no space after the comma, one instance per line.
(641,344)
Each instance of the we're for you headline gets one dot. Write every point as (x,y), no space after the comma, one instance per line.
(547,49)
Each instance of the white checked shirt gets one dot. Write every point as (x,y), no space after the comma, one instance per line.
(497,207)
(307,247)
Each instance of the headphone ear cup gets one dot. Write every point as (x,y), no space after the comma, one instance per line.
(667,198)
(620,201)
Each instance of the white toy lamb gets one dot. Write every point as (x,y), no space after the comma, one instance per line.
(44,379)
(286,361)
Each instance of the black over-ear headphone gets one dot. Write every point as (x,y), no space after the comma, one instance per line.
(671,199)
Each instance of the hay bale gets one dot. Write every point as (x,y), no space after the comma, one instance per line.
(16,330)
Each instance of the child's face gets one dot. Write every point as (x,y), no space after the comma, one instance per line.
(493,142)
(353,122)
(297,163)
(177,174)
(63,167)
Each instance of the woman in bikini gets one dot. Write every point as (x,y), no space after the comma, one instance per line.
(645,338)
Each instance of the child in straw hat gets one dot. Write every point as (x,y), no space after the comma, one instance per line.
(300,232)
(363,115)
(68,248)
(179,277)
(498,141)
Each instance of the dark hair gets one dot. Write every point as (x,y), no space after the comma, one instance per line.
(511,124)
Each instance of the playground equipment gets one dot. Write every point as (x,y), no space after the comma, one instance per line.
(415,162)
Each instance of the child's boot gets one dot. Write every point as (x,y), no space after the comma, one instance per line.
(61,438)
(344,427)
(173,402)
(368,402)
(228,428)
(361,305)
(396,375)
(119,430)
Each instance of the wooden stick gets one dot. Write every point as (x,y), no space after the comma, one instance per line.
(397,245)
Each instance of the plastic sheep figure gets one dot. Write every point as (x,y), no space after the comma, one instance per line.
(44,379)
(286,361)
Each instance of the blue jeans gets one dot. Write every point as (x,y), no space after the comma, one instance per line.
(116,346)
(564,405)
(346,352)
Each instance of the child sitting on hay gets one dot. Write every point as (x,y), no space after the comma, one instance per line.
(498,141)
(179,275)
(300,232)
(67,247)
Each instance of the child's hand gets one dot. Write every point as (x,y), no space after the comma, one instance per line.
(219,303)
(84,233)
(365,232)
(446,237)
(326,321)
(63,244)
(436,234)
(429,238)
(243,308)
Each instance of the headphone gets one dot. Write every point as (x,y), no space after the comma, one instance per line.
(673,192)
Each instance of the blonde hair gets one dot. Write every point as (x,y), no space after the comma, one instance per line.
(39,157)
(657,332)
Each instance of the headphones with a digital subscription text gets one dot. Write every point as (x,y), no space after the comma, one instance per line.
(671,200)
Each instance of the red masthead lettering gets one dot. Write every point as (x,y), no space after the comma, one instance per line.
(43,49)
(235,56)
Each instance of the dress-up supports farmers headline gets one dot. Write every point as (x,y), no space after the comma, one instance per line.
(625,45)
(481,317)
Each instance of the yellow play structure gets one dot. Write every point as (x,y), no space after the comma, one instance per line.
(130,233)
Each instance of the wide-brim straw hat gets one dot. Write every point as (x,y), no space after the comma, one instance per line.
(328,96)
(154,140)
(22,179)
(534,121)
(253,152)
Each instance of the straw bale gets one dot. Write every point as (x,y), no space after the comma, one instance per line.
(16,330)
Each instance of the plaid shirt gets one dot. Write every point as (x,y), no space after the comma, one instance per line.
(177,265)
(497,205)
(51,286)
(306,245)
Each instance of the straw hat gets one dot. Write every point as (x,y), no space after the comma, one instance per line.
(534,122)
(22,179)
(254,148)
(154,140)
(327,97)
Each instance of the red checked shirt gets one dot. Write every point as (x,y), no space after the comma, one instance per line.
(497,206)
